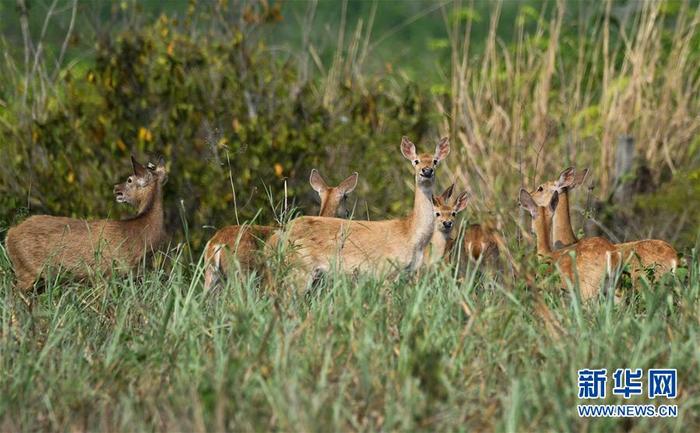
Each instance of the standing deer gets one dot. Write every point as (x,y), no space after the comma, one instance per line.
(82,247)
(644,254)
(319,243)
(595,257)
(242,242)
(441,243)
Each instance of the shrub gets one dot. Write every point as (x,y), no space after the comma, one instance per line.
(216,103)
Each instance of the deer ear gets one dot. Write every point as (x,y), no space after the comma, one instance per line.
(442,149)
(566,179)
(317,183)
(139,170)
(448,193)
(527,203)
(461,202)
(408,149)
(348,185)
(161,171)
(554,201)
(580,177)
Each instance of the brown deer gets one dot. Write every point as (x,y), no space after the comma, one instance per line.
(653,254)
(319,243)
(441,243)
(480,240)
(595,257)
(82,247)
(242,242)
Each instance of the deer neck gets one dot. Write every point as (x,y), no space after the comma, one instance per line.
(328,208)
(148,222)
(542,232)
(563,234)
(440,244)
(422,220)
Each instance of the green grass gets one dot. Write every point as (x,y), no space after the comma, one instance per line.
(154,353)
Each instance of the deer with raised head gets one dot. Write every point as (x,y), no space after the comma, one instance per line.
(318,244)
(441,243)
(82,247)
(243,242)
(595,257)
(653,254)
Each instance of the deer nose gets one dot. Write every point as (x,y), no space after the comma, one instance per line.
(447,224)
(427,171)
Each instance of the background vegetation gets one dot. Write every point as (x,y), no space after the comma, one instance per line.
(242,96)
(245,97)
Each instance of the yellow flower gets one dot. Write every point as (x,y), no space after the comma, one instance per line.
(71,177)
(145,134)
(278,169)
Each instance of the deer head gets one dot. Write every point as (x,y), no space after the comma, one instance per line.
(445,212)
(138,188)
(333,197)
(424,164)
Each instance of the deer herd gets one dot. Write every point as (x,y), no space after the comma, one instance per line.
(314,246)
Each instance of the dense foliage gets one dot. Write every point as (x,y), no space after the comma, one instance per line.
(222,110)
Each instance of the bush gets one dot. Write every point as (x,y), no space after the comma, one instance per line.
(215,103)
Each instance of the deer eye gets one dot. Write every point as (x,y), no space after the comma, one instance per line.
(454,213)
(539,189)
(435,162)
(415,162)
(437,214)
(129,180)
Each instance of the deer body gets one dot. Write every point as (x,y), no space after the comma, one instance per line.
(320,244)
(363,245)
(643,254)
(595,257)
(243,242)
(81,246)
(479,241)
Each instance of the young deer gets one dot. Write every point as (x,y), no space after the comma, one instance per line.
(441,242)
(595,256)
(318,243)
(81,246)
(242,242)
(644,254)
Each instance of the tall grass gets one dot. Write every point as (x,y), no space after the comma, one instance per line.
(155,353)
(577,77)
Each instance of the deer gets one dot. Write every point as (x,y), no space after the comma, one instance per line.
(480,240)
(441,243)
(595,257)
(654,254)
(81,246)
(242,242)
(319,244)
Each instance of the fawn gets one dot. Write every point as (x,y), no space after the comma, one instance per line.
(441,242)
(595,257)
(644,254)
(244,240)
(320,243)
(81,246)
